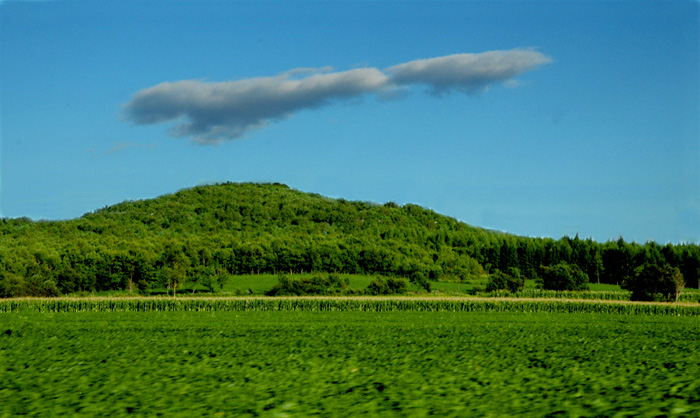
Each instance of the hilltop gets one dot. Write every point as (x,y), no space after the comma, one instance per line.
(206,233)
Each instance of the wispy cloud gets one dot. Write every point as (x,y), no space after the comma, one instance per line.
(127,145)
(469,73)
(211,112)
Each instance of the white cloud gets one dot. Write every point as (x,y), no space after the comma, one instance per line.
(469,73)
(213,112)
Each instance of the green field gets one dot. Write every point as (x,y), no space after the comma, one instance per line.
(259,284)
(251,284)
(301,363)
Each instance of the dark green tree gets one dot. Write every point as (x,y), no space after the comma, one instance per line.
(563,276)
(651,282)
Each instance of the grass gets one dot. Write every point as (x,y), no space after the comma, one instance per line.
(393,364)
(602,287)
(242,285)
(253,284)
(468,286)
(259,284)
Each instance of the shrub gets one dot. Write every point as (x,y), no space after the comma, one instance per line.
(511,281)
(11,285)
(420,279)
(651,282)
(563,277)
(476,290)
(390,286)
(332,284)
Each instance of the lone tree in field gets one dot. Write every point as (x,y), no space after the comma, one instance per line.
(563,277)
(651,282)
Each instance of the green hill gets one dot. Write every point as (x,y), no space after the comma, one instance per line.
(205,234)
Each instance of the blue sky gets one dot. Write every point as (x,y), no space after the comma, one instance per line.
(536,118)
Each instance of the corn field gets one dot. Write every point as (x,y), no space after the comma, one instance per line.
(350,304)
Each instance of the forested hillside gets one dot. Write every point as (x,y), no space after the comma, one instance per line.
(205,234)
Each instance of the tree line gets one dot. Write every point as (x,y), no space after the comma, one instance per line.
(202,236)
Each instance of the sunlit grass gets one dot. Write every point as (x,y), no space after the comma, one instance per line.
(260,284)
(298,363)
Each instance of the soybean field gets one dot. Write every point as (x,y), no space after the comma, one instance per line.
(337,363)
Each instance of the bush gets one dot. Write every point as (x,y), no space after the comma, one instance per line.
(11,285)
(332,284)
(419,279)
(563,277)
(390,286)
(651,282)
(511,281)
(476,290)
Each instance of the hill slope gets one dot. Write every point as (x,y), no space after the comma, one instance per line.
(207,233)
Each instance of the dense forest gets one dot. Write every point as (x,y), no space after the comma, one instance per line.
(203,235)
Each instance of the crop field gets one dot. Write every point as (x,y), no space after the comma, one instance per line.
(347,363)
(347,303)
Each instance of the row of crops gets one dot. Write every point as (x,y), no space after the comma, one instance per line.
(368,304)
(332,364)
